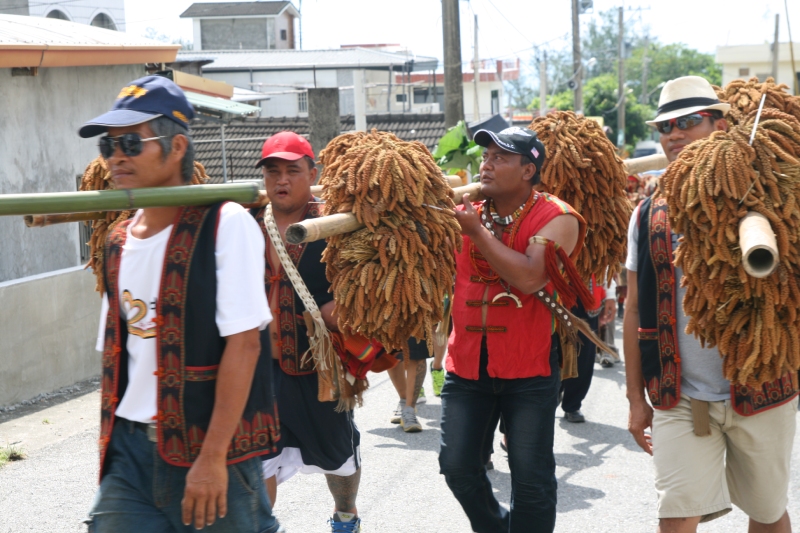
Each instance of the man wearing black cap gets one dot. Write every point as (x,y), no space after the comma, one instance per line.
(186,406)
(503,354)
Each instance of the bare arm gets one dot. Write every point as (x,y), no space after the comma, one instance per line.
(328,315)
(525,271)
(205,496)
(641,414)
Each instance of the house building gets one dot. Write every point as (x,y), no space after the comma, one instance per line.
(285,76)
(429,87)
(746,61)
(54,75)
(108,14)
(243,25)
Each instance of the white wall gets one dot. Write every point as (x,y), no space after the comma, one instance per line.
(48,333)
(41,152)
(485,89)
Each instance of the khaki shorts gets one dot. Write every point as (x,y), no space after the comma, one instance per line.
(744,461)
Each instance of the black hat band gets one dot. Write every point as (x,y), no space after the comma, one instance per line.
(684,103)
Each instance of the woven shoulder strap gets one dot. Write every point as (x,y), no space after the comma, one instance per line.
(319,339)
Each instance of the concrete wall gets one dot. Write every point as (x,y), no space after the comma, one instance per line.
(235,34)
(41,152)
(47,333)
(755,60)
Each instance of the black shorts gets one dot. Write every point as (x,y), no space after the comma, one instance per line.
(417,351)
(326,439)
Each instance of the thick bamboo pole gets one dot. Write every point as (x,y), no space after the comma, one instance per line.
(121,200)
(321,228)
(645,164)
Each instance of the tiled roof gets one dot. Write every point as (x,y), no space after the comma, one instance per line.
(337,58)
(243,154)
(234,9)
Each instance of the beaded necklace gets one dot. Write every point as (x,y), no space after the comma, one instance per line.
(485,273)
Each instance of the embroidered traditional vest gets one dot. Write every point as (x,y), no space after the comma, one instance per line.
(293,341)
(518,340)
(189,349)
(658,334)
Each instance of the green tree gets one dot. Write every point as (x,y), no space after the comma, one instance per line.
(601,95)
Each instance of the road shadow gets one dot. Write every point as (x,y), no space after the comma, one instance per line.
(46,401)
(616,373)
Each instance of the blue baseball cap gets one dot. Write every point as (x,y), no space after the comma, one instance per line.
(140,101)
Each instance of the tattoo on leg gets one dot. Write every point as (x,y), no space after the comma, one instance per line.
(419,379)
(344,491)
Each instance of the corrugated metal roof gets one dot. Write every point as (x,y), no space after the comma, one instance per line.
(234,9)
(342,58)
(18,30)
(244,138)
(203,101)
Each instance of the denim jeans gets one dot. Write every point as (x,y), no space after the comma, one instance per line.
(470,412)
(141,492)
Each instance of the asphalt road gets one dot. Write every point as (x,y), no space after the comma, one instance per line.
(605,481)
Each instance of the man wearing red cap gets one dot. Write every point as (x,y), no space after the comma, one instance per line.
(314,437)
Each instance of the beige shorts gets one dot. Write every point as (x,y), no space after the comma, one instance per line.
(744,461)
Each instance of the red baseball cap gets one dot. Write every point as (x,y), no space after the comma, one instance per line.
(285,145)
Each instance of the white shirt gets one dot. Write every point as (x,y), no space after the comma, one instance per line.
(241,300)
(701,368)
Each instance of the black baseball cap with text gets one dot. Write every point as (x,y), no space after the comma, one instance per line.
(516,140)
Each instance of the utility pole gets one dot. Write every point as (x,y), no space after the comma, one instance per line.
(543,85)
(775,44)
(576,59)
(476,75)
(453,82)
(300,23)
(645,65)
(621,103)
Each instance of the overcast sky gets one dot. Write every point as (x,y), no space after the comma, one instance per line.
(508,28)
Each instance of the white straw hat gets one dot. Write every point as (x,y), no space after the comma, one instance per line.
(684,96)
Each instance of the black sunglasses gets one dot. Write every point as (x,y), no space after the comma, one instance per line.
(131,144)
(683,123)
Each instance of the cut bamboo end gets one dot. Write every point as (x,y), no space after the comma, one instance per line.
(758,244)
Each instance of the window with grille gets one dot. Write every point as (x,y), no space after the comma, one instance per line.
(302,102)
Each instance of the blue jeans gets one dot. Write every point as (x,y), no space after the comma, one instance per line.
(470,412)
(141,492)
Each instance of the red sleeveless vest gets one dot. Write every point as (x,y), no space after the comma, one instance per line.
(518,340)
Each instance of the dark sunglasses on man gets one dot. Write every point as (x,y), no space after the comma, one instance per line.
(683,123)
(131,144)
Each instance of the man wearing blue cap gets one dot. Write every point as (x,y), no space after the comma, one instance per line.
(186,408)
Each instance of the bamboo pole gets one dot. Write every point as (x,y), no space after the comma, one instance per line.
(645,164)
(121,200)
(323,227)
(40,221)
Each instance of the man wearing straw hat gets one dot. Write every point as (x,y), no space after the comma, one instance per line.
(187,405)
(712,444)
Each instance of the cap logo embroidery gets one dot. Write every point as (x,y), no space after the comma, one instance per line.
(132,90)
(514,130)
(535,152)
(180,116)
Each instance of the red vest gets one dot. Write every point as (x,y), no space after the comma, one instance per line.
(518,340)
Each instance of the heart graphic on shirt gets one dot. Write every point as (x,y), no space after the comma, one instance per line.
(129,304)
